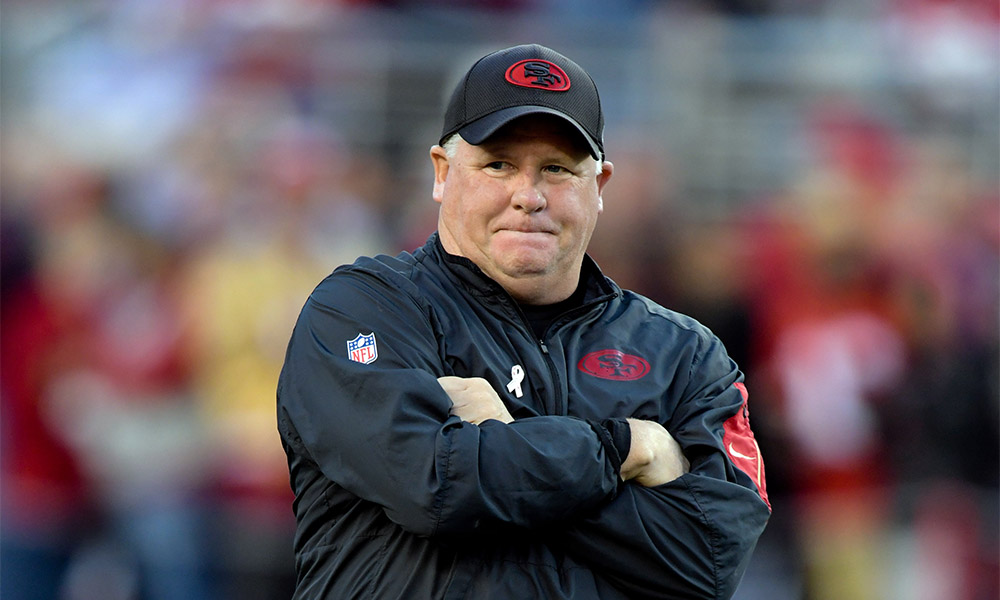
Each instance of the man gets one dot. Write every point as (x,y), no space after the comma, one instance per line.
(491,417)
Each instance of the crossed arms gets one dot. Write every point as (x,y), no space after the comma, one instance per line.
(654,456)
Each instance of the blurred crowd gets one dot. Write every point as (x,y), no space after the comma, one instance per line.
(176,177)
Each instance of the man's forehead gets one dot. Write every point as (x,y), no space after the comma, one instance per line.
(539,127)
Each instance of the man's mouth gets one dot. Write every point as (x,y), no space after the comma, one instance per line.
(521,229)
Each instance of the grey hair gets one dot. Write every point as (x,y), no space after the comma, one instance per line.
(450,145)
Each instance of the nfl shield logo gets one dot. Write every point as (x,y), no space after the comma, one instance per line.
(362,349)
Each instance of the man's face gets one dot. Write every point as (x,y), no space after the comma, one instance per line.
(522,205)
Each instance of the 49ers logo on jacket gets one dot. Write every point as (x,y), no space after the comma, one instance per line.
(363,349)
(613,364)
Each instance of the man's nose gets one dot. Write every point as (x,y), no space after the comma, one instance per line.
(527,196)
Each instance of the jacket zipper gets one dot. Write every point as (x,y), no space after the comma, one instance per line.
(562,407)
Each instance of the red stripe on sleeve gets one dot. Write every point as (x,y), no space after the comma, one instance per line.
(742,447)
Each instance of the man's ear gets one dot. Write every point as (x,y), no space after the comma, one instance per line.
(607,169)
(439,158)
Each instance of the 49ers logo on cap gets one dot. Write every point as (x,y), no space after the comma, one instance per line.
(538,73)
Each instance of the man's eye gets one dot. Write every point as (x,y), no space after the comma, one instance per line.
(556,169)
(496,165)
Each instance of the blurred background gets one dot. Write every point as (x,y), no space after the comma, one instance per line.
(816,180)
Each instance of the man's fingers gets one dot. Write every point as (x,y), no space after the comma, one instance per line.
(655,456)
(451,384)
(474,400)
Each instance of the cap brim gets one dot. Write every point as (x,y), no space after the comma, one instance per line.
(480,130)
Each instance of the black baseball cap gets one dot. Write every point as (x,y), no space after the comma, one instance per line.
(523,80)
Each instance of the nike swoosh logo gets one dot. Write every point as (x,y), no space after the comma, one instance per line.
(737,454)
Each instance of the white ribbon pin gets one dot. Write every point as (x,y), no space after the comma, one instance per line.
(516,377)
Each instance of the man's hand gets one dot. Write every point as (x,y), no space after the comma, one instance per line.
(473,399)
(655,457)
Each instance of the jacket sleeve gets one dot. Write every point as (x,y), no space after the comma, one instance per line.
(692,537)
(382,429)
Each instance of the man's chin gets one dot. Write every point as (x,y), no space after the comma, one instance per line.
(527,263)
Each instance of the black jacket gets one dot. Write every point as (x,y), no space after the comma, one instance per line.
(395,498)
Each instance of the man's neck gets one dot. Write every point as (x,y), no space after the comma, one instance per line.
(540,316)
